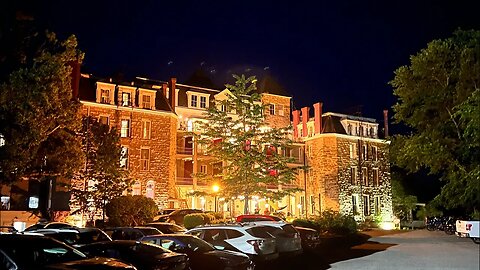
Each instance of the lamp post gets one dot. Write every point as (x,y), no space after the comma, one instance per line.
(215,189)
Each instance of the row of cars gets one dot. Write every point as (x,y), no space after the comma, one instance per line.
(157,245)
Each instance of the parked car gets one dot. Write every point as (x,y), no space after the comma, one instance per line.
(166,227)
(242,238)
(468,228)
(130,233)
(202,254)
(177,216)
(144,256)
(310,238)
(49,225)
(76,237)
(257,217)
(287,237)
(32,251)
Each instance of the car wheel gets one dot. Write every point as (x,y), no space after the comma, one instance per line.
(476,240)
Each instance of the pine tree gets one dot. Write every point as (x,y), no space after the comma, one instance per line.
(236,134)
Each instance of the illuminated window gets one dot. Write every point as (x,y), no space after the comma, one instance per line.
(353,150)
(203,102)
(378,208)
(279,110)
(124,158)
(105,96)
(150,191)
(5,202)
(33,202)
(146,102)
(146,129)
(136,188)
(126,99)
(364,152)
(2,140)
(193,101)
(144,159)
(203,169)
(125,128)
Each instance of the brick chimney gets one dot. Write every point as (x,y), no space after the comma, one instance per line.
(305,116)
(75,78)
(296,121)
(385,122)
(172,83)
(164,89)
(317,107)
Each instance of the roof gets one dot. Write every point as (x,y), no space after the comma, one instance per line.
(88,87)
(332,124)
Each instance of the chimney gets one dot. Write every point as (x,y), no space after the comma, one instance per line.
(164,89)
(75,78)
(305,116)
(172,83)
(385,122)
(318,117)
(296,121)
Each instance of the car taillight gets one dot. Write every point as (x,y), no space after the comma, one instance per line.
(469,227)
(256,244)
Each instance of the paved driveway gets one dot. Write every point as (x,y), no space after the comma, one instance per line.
(419,249)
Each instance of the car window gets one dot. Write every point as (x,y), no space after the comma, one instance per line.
(214,235)
(167,243)
(197,233)
(289,230)
(231,234)
(260,232)
(196,244)
(149,231)
(57,226)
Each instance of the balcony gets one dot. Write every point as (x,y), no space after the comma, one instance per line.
(188,181)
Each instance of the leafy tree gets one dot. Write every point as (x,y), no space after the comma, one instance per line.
(38,115)
(403,203)
(438,98)
(238,136)
(103,178)
(131,210)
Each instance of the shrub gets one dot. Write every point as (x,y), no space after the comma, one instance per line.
(130,210)
(330,222)
(193,220)
(307,223)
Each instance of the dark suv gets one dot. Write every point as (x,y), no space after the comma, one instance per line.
(177,216)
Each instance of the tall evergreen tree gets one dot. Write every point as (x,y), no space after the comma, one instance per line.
(102,178)
(236,134)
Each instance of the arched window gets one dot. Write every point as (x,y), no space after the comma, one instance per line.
(137,188)
(150,193)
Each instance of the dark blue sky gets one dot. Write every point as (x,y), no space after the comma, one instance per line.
(342,53)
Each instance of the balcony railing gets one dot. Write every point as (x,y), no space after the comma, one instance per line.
(188,181)
(184,150)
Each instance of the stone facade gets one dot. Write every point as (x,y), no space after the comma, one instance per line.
(281,116)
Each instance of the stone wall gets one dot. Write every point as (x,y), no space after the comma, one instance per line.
(277,121)
(162,145)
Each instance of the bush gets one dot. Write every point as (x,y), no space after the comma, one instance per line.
(130,210)
(330,222)
(193,220)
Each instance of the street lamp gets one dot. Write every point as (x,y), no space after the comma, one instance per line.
(215,189)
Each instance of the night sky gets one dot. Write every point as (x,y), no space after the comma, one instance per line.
(342,53)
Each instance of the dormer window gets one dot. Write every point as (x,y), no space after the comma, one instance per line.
(146,102)
(126,99)
(105,96)
(203,102)
(193,101)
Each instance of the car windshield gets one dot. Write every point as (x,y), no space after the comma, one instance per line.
(261,231)
(196,244)
(175,228)
(38,253)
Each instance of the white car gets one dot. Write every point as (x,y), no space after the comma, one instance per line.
(469,229)
(287,237)
(249,239)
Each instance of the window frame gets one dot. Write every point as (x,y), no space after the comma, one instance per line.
(365,176)
(146,129)
(125,132)
(366,206)
(145,162)
(353,175)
